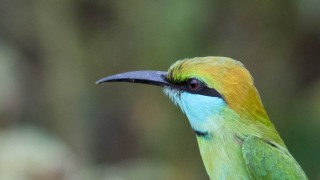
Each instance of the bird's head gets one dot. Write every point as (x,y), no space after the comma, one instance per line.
(203,88)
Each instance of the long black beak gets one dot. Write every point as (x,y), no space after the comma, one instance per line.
(145,77)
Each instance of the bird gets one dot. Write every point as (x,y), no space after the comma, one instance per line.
(235,136)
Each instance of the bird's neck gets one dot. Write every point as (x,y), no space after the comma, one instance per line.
(222,161)
(221,153)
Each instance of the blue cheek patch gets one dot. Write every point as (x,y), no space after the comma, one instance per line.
(199,109)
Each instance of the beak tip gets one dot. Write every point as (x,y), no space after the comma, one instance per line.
(99,82)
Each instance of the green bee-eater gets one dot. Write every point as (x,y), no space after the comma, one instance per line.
(235,136)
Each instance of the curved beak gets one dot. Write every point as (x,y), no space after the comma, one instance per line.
(144,77)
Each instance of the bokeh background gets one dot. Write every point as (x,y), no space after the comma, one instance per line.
(55,123)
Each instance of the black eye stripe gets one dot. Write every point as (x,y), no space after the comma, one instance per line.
(202,88)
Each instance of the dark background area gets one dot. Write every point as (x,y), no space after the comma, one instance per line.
(55,123)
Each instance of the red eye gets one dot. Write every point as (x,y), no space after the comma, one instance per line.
(194,84)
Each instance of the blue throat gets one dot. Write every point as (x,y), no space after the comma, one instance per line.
(201,110)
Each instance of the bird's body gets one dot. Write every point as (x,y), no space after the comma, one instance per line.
(235,136)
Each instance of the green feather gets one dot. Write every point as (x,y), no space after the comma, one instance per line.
(267,160)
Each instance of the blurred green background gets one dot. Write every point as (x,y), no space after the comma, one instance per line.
(57,124)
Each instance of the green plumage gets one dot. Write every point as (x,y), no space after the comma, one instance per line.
(243,142)
(269,161)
